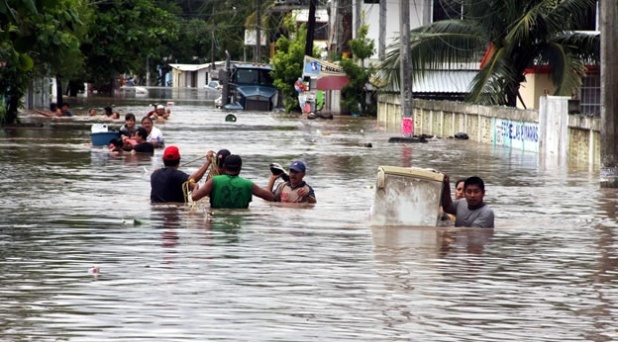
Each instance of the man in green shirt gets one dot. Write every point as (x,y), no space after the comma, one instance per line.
(229,190)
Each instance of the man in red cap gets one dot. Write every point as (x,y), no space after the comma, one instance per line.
(166,183)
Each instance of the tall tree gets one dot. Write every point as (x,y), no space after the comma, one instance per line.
(515,35)
(353,93)
(288,62)
(36,37)
(123,34)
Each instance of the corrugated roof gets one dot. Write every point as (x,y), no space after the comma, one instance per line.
(440,81)
(444,81)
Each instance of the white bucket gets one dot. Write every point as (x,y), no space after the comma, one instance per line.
(98,128)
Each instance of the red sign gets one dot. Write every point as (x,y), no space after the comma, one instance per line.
(407,126)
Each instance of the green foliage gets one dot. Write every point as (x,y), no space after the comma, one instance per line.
(353,93)
(362,47)
(288,64)
(36,37)
(123,34)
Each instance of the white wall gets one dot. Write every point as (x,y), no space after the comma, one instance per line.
(420,14)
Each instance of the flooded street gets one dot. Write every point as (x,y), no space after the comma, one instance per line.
(548,272)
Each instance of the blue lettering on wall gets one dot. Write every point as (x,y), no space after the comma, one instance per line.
(520,131)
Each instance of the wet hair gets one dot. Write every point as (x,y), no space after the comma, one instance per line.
(233,164)
(146,118)
(141,131)
(173,162)
(474,180)
(53,106)
(116,142)
(221,155)
(66,104)
(108,110)
(129,116)
(460,180)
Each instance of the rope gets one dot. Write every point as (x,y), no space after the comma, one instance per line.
(214,169)
(186,186)
(193,160)
(186,190)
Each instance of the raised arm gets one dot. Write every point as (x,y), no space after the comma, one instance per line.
(197,175)
(271,181)
(447,201)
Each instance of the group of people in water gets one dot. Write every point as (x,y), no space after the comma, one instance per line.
(134,139)
(225,187)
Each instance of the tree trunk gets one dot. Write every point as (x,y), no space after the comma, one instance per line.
(609,87)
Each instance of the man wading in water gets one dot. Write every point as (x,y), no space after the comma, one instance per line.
(470,211)
(166,184)
(229,190)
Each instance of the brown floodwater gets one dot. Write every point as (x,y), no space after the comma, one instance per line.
(547,272)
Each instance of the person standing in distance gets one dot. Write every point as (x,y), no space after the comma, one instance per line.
(296,190)
(166,184)
(229,190)
(470,211)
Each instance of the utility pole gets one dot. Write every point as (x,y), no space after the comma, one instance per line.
(405,66)
(609,88)
(258,34)
(310,29)
(212,40)
(382,34)
(358,17)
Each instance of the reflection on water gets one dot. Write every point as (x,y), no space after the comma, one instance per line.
(275,273)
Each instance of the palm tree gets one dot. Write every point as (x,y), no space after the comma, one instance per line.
(515,36)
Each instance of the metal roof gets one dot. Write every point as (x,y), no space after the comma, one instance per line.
(440,81)
(444,81)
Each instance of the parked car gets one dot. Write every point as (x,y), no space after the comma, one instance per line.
(213,85)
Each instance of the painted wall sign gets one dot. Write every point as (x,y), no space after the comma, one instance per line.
(516,134)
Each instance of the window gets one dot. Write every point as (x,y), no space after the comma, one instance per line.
(447,9)
(590,94)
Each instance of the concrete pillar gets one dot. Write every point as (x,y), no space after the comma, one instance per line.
(609,88)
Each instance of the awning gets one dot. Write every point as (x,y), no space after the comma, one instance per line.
(331,82)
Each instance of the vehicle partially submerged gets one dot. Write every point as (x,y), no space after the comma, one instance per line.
(249,87)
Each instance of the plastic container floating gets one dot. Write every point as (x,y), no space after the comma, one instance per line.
(101,136)
(407,197)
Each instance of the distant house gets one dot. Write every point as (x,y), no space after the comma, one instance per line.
(194,75)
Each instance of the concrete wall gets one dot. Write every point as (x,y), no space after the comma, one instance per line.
(535,86)
(554,133)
